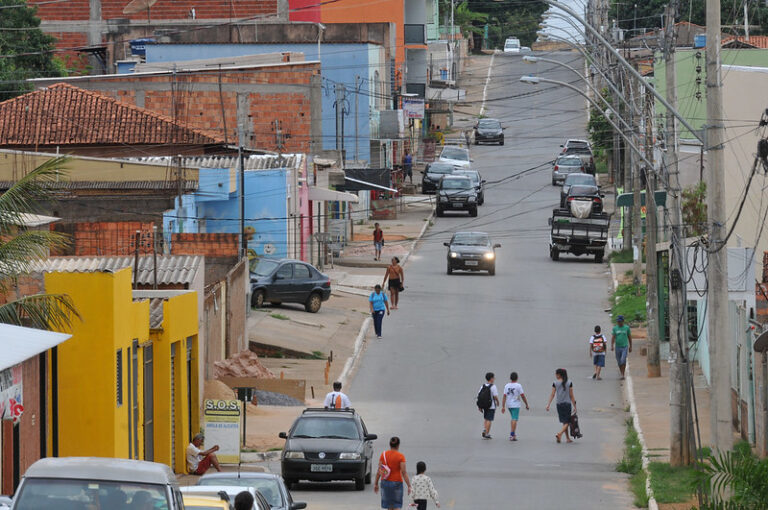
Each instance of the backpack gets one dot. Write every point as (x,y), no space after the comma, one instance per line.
(336,401)
(484,397)
(598,344)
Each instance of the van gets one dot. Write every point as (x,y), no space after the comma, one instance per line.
(512,45)
(84,483)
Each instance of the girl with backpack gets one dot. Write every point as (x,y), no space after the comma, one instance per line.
(392,474)
(597,348)
(562,388)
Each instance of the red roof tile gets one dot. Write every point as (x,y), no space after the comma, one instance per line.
(66,115)
(755,41)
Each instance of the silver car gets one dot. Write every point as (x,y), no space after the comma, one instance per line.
(270,486)
(564,166)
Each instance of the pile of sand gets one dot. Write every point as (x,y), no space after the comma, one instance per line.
(217,390)
(242,364)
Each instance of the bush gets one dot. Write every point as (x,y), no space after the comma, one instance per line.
(629,300)
(738,473)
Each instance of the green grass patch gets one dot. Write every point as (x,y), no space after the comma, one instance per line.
(318,355)
(637,486)
(622,256)
(672,484)
(632,464)
(629,301)
(601,166)
(279,316)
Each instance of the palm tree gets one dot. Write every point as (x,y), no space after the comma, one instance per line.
(735,480)
(21,248)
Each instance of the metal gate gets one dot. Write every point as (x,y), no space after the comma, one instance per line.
(189,386)
(173,404)
(135,394)
(149,406)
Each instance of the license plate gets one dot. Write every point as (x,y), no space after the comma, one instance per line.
(470,263)
(458,204)
(321,468)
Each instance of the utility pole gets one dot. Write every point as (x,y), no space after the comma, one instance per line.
(651,232)
(637,226)
(679,391)
(717,267)
(241,168)
(339,115)
(357,100)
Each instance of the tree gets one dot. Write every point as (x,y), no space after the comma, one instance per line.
(735,480)
(25,51)
(695,209)
(20,248)
(505,18)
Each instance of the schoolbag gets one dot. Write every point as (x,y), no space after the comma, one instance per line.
(598,344)
(484,397)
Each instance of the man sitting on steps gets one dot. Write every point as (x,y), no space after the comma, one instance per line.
(336,399)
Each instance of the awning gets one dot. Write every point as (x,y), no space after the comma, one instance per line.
(329,195)
(370,185)
(18,344)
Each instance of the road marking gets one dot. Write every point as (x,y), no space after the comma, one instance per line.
(487,80)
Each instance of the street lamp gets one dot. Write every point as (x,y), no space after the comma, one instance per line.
(535,80)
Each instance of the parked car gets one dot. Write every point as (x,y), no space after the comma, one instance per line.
(477,181)
(270,486)
(325,445)
(489,130)
(582,149)
(206,503)
(432,175)
(288,281)
(512,45)
(91,482)
(471,251)
(456,156)
(575,179)
(583,193)
(5,502)
(456,193)
(564,166)
(230,491)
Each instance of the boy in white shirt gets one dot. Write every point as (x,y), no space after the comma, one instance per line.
(597,348)
(336,399)
(513,394)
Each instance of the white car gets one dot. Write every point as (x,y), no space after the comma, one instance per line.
(456,156)
(512,45)
(259,502)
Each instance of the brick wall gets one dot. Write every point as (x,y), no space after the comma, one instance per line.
(162,10)
(210,245)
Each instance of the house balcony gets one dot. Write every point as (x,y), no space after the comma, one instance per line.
(415,34)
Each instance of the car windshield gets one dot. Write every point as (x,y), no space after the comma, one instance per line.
(488,124)
(512,44)
(473,176)
(568,162)
(263,267)
(38,493)
(456,184)
(457,154)
(470,239)
(268,487)
(575,179)
(327,428)
(578,150)
(437,168)
(582,190)
(578,143)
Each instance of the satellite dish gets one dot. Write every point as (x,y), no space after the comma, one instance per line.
(135,6)
(761,344)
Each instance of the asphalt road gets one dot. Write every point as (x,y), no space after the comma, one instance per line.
(420,381)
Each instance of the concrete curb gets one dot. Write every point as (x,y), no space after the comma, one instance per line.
(418,237)
(246,457)
(629,394)
(352,360)
(487,81)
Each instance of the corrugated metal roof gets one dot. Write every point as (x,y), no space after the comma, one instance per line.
(171,269)
(251,162)
(171,185)
(156,312)
(18,344)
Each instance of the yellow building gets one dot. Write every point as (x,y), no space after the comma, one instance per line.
(125,385)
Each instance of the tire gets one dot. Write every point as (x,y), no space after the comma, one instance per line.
(257,301)
(276,303)
(473,211)
(481,201)
(599,257)
(439,212)
(360,484)
(314,302)
(290,483)
(368,478)
(554,253)
(477,142)
(449,270)
(492,270)
(501,142)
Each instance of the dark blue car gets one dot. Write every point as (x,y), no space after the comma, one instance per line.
(288,281)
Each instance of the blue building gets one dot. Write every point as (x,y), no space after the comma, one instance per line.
(360,68)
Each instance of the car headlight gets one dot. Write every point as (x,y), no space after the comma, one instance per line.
(349,456)
(489,256)
(294,455)
(472,199)
(443,198)
(454,254)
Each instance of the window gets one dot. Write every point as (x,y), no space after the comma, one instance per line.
(119,373)
(301,272)
(285,272)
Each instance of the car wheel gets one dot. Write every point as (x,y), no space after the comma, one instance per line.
(290,483)
(439,211)
(492,270)
(360,484)
(477,142)
(313,303)
(449,270)
(257,301)
(554,254)
(599,257)
(501,142)
(368,478)
(481,201)
(473,211)
(276,303)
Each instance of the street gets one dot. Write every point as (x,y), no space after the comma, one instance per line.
(420,381)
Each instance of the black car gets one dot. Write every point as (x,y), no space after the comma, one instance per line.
(288,281)
(477,181)
(574,180)
(456,193)
(432,175)
(489,130)
(586,193)
(471,251)
(326,445)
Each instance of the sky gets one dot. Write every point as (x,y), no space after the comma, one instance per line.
(560,27)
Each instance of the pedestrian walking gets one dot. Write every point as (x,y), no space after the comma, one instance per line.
(562,392)
(396,278)
(378,241)
(597,348)
(392,474)
(378,304)
(487,401)
(408,166)
(513,395)
(423,488)
(621,338)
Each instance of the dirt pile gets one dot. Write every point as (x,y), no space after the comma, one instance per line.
(242,364)
(217,390)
